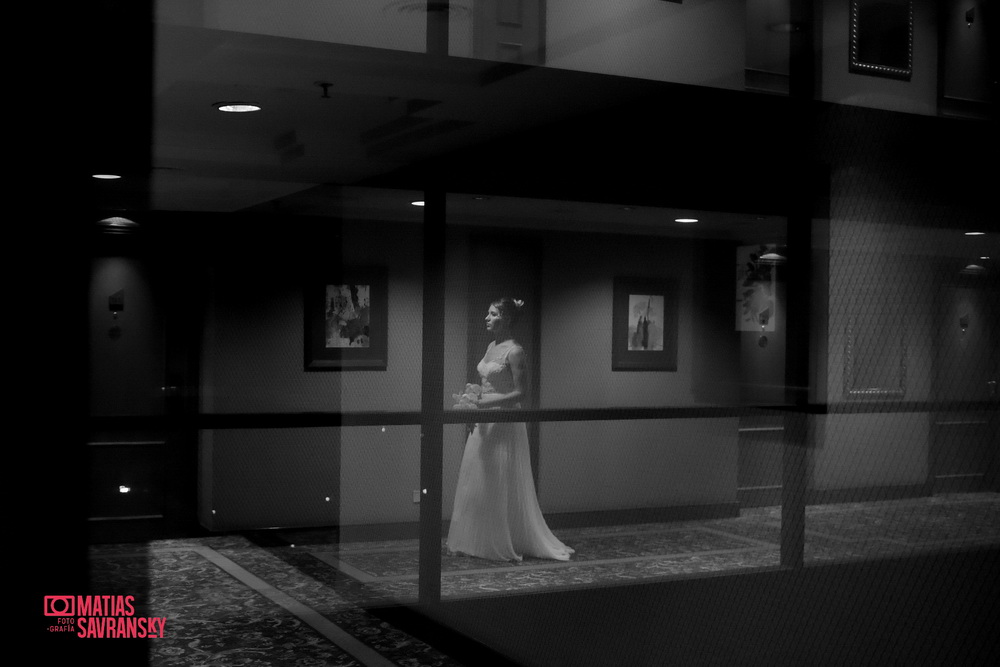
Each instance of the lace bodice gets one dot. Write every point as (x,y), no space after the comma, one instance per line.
(494,371)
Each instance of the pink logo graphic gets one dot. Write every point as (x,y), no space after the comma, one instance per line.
(60,605)
(101,617)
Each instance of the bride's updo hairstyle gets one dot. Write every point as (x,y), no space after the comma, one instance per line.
(510,310)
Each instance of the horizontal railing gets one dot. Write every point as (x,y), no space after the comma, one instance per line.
(414,417)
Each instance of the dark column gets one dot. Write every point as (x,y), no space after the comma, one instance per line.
(432,395)
(802,200)
(432,425)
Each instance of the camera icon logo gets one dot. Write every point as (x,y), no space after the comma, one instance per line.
(60,605)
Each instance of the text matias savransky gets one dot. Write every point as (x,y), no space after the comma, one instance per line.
(113,617)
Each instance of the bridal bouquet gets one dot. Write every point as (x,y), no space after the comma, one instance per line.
(469,399)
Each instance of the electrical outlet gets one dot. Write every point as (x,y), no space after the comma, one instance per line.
(416,496)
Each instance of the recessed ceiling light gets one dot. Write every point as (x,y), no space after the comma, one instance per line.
(106,177)
(984,257)
(417,203)
(686,221)
(236,107)
(974,233)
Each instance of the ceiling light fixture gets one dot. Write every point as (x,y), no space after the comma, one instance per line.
(106,177)
(236,107)
(117,225)
(417,203)
(975,233)
(686,221)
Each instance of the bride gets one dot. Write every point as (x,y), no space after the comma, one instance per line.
(496,513)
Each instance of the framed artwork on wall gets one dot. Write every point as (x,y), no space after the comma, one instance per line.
(346,320)
(882,38)
(644,325)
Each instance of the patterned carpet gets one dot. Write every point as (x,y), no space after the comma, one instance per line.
(303,599)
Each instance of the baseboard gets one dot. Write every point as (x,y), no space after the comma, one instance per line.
(623,517)
(957,107)
(748,497)
(759,496)
(377,532)
(960,483)
(867,494)
(769,496)
(761,81)
(120,530)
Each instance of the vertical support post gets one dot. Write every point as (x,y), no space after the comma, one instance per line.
(432,370)
(432,397)
(798,429)
(803,84)
(798,434)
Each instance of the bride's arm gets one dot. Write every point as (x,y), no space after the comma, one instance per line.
(518,368)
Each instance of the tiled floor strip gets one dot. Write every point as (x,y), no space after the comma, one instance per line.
(318,622)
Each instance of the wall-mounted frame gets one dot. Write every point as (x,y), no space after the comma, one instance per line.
(644,325)
(875,359)
(346,320)
(882,38)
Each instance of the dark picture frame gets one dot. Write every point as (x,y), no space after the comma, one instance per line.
(346,320)
(644,324)
(882,38)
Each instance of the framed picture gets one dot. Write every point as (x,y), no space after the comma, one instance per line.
(346,320)
(882,38)
(644,325)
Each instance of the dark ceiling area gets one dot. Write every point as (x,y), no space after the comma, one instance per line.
(341,120)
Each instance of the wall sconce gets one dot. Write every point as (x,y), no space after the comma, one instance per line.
(970,17)
(963,322)
(763,317)
(116,304)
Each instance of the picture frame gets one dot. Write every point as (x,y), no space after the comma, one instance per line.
(346,320)
(881,38)
(644,324)
(875,359)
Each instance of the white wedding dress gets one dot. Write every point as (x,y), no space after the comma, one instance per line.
(496,513)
